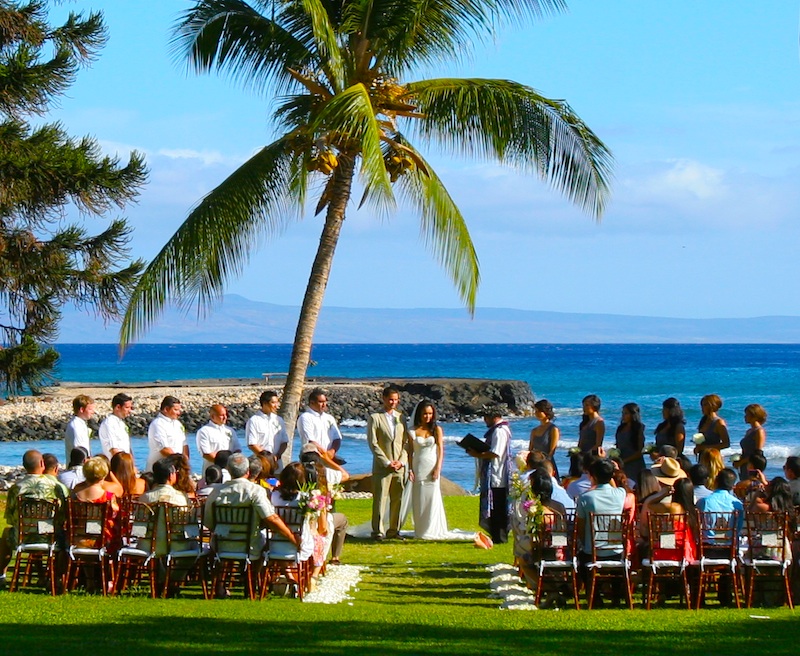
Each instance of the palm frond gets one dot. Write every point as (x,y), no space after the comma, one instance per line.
(442,226)
(347,119)
(233,37)
(216,240)
(330,57)
(513,123)
(410,33)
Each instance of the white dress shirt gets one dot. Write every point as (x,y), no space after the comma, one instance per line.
(114,434)
(216,437)
(266,431)
(76,434)
(164,433)
(318,427)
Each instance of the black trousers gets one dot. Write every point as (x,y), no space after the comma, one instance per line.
(498,517)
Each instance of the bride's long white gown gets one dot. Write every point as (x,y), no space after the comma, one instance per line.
(430,522)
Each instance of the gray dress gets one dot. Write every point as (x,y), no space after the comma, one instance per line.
(748,445)
(542,443)
(587,438)
(711,435)
(629,444)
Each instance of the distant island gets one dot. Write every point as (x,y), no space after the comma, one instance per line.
(240,320)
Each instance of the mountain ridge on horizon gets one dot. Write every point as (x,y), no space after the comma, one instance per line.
(240,320)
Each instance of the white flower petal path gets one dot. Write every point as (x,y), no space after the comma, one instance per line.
(333,588)
(505,584)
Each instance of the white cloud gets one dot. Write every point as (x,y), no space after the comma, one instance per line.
(206,157)
(688,178)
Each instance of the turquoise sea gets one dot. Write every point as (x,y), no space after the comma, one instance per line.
(564,374)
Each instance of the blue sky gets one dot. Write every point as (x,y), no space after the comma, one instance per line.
(698,100)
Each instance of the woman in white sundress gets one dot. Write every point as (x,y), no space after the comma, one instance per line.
(427,454)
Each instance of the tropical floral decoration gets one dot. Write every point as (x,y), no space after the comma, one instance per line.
(518,488)
(311,501)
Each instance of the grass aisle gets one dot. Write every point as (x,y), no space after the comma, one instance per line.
(415,598)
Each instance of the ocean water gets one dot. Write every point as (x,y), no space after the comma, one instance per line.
(564,374)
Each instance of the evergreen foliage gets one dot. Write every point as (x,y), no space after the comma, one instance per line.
(45,260)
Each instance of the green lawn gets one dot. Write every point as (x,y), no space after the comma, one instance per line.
(415,598)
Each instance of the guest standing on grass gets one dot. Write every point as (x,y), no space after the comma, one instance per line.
(592,427)
(712,426)
(388,439)
(630,440)
(672,430)
(114,434)
(77,434)
(166,434)
(754,439)
(545,436)
(495,469)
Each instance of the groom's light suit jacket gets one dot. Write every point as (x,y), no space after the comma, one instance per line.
(385,445)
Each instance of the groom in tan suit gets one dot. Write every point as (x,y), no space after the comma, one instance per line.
(387,436)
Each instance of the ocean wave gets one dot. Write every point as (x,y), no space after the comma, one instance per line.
(361,423)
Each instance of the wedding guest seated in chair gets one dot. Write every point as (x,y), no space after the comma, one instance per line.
(34,484)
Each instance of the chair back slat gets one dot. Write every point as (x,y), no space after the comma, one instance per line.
(554,538)
(609,536)
(183,528)
(719,533)
(767,535)
(232,529)
(86,523)
(36,521)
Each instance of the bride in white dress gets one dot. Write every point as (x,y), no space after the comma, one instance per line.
(427,453)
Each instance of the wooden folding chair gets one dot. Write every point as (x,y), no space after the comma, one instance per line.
(718,551)
(283,556)
(554,555)
(37,548)
(768,551)
(666,557)
(610,553)
(185,552)
(232,544)
(87,548)
(137,556)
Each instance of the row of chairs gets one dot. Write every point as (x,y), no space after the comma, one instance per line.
(762,551)
(66,545)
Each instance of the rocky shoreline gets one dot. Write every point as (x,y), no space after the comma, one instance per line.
(45,417)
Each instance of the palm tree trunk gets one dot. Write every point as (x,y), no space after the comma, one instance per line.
(312,301)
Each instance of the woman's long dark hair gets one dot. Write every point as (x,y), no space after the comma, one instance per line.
(675,416)
(594,402)
(125,471)
(418,416)
(779,495)
(637,427)
(684,497)
(292,478)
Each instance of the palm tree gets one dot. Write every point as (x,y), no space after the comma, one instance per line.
(334,68)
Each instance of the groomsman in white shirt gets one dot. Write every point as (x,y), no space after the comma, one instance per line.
(114,434)
(216,436)
(166,434)
(316,425)
(77,433)
(265,430)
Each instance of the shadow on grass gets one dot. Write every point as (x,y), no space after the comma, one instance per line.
(179,636)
